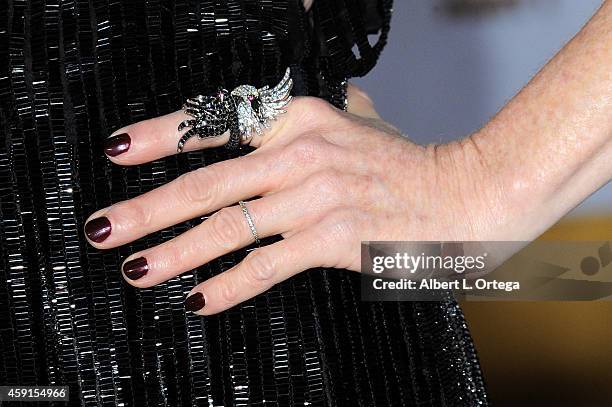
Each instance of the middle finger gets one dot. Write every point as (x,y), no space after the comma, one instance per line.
(193,194)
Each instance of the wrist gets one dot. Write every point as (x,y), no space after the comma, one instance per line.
(470,193)
(497,191)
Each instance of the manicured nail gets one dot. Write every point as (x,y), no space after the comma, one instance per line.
(195,302)
(117,144)
(98,229)
(135,268)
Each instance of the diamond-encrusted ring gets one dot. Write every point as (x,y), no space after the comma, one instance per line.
(244,111)
(249,220)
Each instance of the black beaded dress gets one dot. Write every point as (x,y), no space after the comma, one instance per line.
(71,72)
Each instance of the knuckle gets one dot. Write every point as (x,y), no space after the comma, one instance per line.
(313,105)
(329,182)
(258,268)
(198,186)
(153,129)
(228,291)
(303,150)
(225,229)
(312,109)
(133,214)
(308,150)
(336,236)
(170,256)
(340,226)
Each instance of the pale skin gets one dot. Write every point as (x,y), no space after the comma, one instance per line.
(326,180)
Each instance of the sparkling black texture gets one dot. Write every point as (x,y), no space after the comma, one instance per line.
(73,71)
(212,116)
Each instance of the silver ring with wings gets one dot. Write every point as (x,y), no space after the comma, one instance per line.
(243,112)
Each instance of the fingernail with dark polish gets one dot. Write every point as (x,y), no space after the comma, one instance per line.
(135,268)
(117,144)
(195,302)
(98,229)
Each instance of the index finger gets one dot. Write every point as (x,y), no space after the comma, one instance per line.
(205,121)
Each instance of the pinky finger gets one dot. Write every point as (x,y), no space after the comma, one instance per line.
(259,271)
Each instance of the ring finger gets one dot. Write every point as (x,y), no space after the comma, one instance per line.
(223,232)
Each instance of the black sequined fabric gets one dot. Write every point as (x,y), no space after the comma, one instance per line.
(71,72)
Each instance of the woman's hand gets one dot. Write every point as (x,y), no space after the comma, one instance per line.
(325,180)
